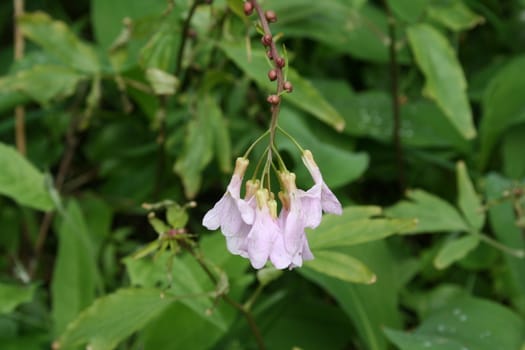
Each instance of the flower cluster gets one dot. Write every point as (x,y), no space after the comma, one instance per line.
(254,230)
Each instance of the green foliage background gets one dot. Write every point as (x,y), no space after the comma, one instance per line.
(428,254)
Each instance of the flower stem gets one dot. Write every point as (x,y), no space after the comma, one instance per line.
(247,153)
(242,309)
(285,133)
(518,253)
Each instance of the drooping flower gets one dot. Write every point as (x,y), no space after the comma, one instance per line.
(262,235)
(231,213)
(319,197)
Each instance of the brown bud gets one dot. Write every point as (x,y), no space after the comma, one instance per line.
(266,39)
(273,99)
(270,16)
(191,33)
(269,54)
(248,8)
(272,74)
(288,86)
(208,2)
(280,62)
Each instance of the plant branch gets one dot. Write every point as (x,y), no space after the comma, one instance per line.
(394,91)
(184,36)
(20,133)
(243,310)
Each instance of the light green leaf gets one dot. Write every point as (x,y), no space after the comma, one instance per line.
(75,273)
(35,82)
(408,10)
(503,106)
(454,14)
(468,200)
(455,250)
(341,266)
(304,96)
(56,38)
(21,181)
(113,318)
(445,81)
(163,83)
(13,295)
(197,151)
(346,230)
(433,214)
(464,324)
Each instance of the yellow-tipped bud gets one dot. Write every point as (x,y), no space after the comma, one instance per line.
(241,164)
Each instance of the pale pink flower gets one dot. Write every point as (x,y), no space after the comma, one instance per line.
(260,239)
(231,213)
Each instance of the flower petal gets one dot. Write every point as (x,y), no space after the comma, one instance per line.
(261,238)
(329,201)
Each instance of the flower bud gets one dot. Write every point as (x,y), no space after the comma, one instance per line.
(269,54)
(270,16)
(273,99)
(248,8)
(288,87)
(240,166)
(280,62)
(266,39)
(272,74)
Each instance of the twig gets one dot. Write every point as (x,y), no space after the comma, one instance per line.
(20,133)
(63,169)
(394,90)
(184,36)
(244,311)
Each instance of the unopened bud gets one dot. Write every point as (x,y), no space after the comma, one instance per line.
(273,99)
(269,54)
(288,87)
(266,39)
(280,62)
(270,16)
(240,166)
(248,8)
(272,74)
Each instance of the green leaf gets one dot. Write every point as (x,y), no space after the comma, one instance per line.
(353,28)
(347,229)
(197,151)
(13,295)
(221,135)
(370,307)
(468,200)
(464,323)
(513,144)
(445,81)
(56,38)
(113,318)
(328,156)
(75,273)
(107,16)
(503,106)
(163,83)
(433,214)
(408,10)
(177,216)
(21,181)
(305,96)
(503,223)
(160,51)
(341,266)
(454,250)
(454,14)
(35,82)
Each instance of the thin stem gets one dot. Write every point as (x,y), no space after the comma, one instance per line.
(247,153)
(285,133)
(280,76)
(184,36)
(243,310)
(518,253)
(394,91)
(20,133)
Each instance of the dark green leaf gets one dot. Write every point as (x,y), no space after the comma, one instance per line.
(445,81)
(463,323)
(113,318)
(13,295)
(21,181)
(408,10)
(454,15)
